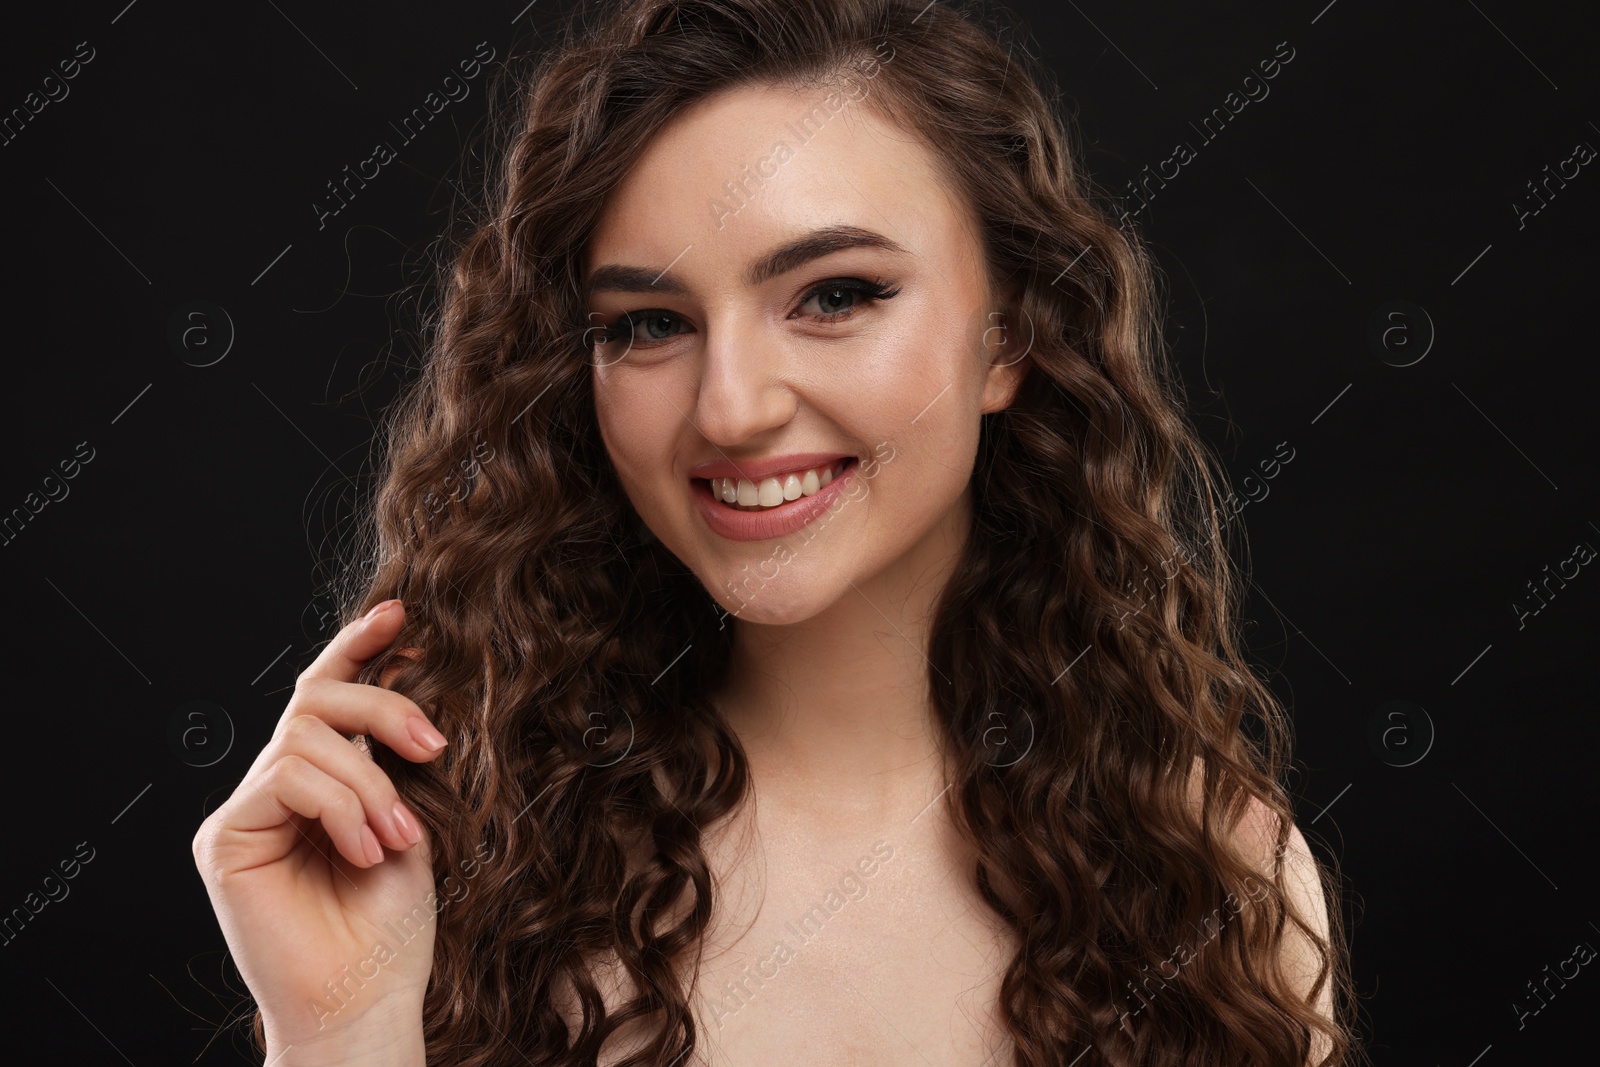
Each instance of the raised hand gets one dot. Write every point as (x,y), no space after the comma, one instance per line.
(317,870)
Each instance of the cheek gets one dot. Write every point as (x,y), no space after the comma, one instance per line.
(637,425)
(928,349)
(925,400)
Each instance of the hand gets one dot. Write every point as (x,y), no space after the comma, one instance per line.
(295,865)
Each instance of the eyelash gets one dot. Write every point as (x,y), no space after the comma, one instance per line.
(869,291)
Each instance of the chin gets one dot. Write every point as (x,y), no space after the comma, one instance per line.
(775,610)
(783,599)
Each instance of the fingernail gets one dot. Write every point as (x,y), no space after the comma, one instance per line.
(408,826)
(426,735)
(369,842)
(378,609)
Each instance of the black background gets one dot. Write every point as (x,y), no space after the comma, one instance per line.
(186,562)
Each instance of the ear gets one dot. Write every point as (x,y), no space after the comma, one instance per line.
(1006,344)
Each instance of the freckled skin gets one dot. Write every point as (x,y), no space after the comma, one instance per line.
(828,686)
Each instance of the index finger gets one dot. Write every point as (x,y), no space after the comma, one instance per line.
(356,643)
(328,689)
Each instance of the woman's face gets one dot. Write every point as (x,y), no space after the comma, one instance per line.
(744,247)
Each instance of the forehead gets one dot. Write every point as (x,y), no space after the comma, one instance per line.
(742,169)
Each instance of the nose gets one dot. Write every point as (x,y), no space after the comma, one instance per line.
(743,389)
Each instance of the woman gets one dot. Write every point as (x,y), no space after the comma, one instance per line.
(799,540)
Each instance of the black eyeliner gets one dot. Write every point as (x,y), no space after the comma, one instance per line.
(862,287)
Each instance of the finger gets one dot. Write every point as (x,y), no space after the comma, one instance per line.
(353,708)
(358,642)
(330,752)
(295,784)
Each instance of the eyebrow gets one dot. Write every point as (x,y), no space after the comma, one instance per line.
(618,278)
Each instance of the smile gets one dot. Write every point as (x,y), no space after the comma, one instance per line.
(773,492)
(742,510)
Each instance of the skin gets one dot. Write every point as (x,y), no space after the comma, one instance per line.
(297,894)
(828,691)
(747,371)
(828,688)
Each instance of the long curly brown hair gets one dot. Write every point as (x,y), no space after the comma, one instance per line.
(1090,625)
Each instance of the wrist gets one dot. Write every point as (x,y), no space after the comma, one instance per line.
(384,1036)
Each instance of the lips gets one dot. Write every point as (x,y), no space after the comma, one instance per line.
(755,470)
(770,522)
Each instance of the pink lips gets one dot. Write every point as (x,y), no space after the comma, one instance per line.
(753,470)
(772,522)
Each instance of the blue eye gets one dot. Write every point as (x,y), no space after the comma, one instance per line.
(854,288)
(643,326)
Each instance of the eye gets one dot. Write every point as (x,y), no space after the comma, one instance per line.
(838,298)
(640,329)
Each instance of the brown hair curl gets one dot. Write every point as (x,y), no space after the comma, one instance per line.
(544,612)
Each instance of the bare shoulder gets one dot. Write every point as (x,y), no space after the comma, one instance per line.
(1255,835)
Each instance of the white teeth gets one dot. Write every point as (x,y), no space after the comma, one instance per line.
(773,491)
